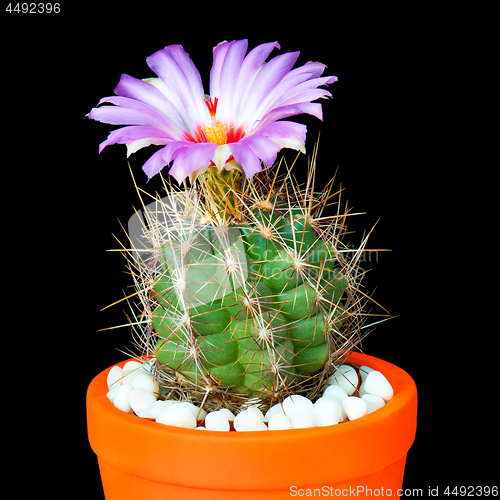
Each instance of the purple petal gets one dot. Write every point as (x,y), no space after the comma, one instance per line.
(284,129)
(295,90)
(313,109)
(255,59)
(173,149)
(148,94)
(246,158)
(154,164)
(274,71)
(128,112)
(127,135)
(309,72)
(265,149)
(183,82)
(295,87)
(252,64)
(232,74)
(163,157)
(191,158)
(310,68)
(199,154)
(306,96)
(264,84)
(298,84)
(223,80)
(285,134)
(219,56)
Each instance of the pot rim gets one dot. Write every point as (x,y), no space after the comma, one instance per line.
(242,460)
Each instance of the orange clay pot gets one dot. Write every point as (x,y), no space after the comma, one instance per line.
(143,459)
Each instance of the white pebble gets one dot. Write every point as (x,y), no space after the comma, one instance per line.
(178,416)
(364,371)
(378,385)
(197,413)
(159,406)
(247,420)
(145,413)
(273,411)
(140,399)
(229,414)
(355,407)
(131,370)
(131,366)
(279,421)
(216,421)
(327,411)
(115,376)
(258,411)
(121,398)
(345,377)
(148,383)
(297,405)
(112,392)
(373,402)
(336,392)
(129,377)
(261,427)
(303,421)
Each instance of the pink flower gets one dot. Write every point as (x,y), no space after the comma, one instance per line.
(236,126)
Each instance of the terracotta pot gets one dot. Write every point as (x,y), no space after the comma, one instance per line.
(143,459)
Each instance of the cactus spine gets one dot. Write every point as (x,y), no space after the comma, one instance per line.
(251,302)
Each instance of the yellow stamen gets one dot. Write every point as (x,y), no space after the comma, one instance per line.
(216,133)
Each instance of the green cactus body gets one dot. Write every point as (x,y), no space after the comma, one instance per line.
(251,307)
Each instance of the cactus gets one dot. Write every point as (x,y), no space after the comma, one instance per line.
(247,291)
(251,307)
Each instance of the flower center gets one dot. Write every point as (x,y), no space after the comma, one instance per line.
(217,132)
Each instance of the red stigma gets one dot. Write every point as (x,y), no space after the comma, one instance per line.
(212,106)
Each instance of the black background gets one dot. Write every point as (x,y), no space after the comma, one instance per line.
(382,129)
